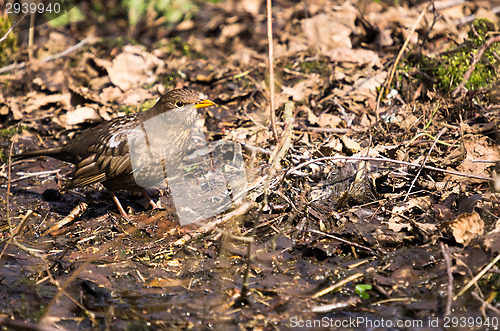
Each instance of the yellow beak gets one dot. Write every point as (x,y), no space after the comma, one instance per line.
(204,103)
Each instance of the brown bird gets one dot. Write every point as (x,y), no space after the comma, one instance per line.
(133,151)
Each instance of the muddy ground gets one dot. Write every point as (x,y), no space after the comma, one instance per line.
(326,233)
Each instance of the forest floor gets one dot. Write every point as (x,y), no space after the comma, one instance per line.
(375,207)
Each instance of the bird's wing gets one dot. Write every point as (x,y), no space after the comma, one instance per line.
(108,157)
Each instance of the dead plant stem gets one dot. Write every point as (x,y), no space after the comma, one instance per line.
(443,130)
(396,62)
(12,28)
(271,67)
(373,159)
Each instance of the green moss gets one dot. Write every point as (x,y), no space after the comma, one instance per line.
(137,108)
(172,11)
(9,46)
(171,80)
(7,133)
(176,46)
(449,69)
(317,67)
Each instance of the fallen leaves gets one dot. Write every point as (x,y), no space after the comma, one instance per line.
(132,68)
(465,228)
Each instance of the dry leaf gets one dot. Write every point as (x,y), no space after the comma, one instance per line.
(329,120)
(81,115)
(37,100)
(303,89)
(330,30)
(168,282)
(351,145)
(466,227)
(334,144)
(132,68)
(358,56)
(479,149)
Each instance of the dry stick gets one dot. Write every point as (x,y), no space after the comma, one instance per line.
(75,213)
(69,50)
(189,237)
(446,255)
(398,58)
(443,130)
(486,303)
(281,148)
(345,241)
(12,28)
(271,67)
(470,18)
(474,62)
(7,206)
(373,159)
(478,276)
(31,36)
(337,285)
(56,283)
(9,178)
(253,148)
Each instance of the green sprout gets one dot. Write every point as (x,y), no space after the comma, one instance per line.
(361,290)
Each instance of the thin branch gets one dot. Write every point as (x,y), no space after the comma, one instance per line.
(478,276)
(398,58)
(447,260)
(373,159)
(486,303)
(346,242)
(337,285)
(18,66)
(12,28)
(443,130)
(271,67)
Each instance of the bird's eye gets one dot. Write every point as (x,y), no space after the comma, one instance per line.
(179,104)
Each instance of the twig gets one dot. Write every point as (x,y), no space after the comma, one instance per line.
(31,36)
(25,175)
(486,303)
(12,28)
(9,182)
(75,213)
(337,285)
(443,130)
(189,237)
(373,159)
(478,276)
(478,57)
(18,66)
(345,241)
(12,238)
(253,148)
(446,256)
(271,67)
(471,18)
(300,128)
(398,58)
(69,50)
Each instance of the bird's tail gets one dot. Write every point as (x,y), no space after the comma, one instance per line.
(55,152)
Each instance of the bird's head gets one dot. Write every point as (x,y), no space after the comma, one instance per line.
(180,98)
